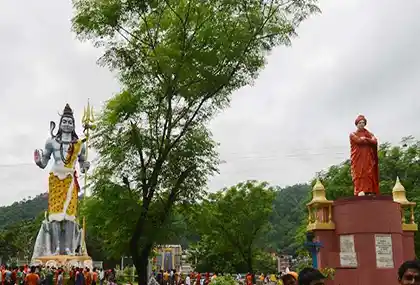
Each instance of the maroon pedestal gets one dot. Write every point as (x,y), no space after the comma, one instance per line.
(366,221)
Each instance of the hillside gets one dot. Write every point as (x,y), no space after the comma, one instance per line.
(19,224)
(287,217)
(27,209)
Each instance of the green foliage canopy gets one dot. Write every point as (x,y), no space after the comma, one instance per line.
(232,224)
(178,61)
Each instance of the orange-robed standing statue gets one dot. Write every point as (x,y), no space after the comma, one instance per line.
(364,160)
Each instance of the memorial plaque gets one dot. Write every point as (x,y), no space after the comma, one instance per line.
(348,257)
(384,256)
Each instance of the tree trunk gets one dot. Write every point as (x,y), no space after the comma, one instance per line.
(141,262)
(250,270)
(142,271)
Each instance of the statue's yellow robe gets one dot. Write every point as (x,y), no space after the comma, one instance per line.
(64,188)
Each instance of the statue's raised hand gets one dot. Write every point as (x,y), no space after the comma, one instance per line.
(38,157)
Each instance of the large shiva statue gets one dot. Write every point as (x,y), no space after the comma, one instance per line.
(60,233)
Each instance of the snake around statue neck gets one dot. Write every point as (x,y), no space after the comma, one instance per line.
(69,152)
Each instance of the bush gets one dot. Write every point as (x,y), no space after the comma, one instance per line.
(224,280)
(328,272)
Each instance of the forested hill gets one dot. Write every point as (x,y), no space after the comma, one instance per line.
(287,216)
(285,220)
(26,209)
(287,213)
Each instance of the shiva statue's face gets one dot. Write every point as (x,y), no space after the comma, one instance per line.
(67,125)
(361,124)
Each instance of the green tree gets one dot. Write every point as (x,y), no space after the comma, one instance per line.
(108,239)
(233,223)
(394,161)
(178,62)
(207,255)
(17,240)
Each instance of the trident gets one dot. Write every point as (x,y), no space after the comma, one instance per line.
(87,123)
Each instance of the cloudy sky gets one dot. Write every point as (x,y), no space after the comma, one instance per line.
(357,57)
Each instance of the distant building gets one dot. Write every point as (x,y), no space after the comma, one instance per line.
(168,257)
(284,261)
(186,268)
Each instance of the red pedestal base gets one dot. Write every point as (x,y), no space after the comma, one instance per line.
(364,220)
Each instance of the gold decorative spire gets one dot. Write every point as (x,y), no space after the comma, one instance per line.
(318,193)
(320,209)
(407,219)
(398,193)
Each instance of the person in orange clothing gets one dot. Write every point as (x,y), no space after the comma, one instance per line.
(94,277)
(32,278)
(88,277)
(14,275)
(2,273)
(198,279)
(249,279)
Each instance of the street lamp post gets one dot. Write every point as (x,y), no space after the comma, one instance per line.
(313,247)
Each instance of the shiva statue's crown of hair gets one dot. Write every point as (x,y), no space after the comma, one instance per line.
(67,112)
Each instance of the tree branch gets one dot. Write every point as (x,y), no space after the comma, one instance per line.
(234,242)
(222,85)
(138,229)
(139,147)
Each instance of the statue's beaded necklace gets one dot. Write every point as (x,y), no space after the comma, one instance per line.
(66,160)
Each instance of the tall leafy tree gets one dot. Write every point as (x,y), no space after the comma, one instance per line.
(178,61)
(233,223)
(107,239)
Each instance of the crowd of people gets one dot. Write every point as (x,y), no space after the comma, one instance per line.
(172,277)
(39,275)
(408,273)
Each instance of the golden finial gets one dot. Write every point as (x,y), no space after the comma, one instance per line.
(318,192)
(398,193)
(320,209)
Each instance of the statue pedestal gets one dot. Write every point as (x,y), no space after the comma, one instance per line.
(368,243)
(65,238)
(66,261)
